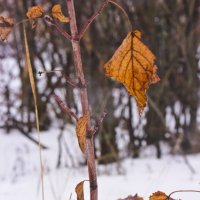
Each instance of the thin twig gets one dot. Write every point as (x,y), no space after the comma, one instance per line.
(125,13)
(179,191)
(62,31)
(21,22)
(98,12)
(65,107)
(188,164)
(67,78)
(48,72)
(98,123)
(92,18)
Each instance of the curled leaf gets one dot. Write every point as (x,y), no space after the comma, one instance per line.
(159,196)
(133,65)
(6,26)
(79,191)
(81,129)
(57,14)
(136,197)
(34,13)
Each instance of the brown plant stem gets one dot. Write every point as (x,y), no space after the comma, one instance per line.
(98,123)
(92,18)
(62,31)
(65,107)
(98,12)
(84,99)
(67,78)
(179,191)
(49,20)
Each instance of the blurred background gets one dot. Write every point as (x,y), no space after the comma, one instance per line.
(170,28)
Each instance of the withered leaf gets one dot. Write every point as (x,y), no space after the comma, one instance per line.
(6,26)
(133,65)
(81,129)
(34,13)
(136,197)
(159,196)
(79,190)
(57,14)
(31,78)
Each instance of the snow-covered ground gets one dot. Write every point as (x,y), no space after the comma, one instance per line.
(20,174)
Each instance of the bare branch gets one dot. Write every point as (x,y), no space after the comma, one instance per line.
(51,21)
(62,31)
(179,191)
(92,18)
(98,124)
(65,107)
(71,82)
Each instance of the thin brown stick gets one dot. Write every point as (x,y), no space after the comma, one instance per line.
(97,13)
(51,71)
(65,107)
(84,99)
(21,22)
(92,18)
(125,13)
(179,191)
(98,124)
(67,78)
(62,31)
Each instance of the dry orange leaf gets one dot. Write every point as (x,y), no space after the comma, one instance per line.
(6,26)
(57,14)
(133,65)
(159,196)
(79,191)
(81,129)
(34,13)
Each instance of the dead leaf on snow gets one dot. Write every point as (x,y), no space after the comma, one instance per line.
(159,196)
(136,197)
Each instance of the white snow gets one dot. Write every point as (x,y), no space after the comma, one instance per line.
(20,174)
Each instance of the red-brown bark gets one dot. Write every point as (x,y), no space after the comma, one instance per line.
(84,99)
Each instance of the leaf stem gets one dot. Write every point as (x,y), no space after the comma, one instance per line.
(125,13)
